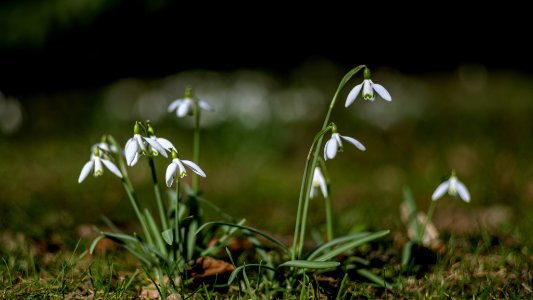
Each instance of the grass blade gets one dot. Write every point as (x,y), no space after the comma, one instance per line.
(352,244)
(307,264)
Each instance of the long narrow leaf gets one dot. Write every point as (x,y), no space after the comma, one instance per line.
(95,242)
(374,278)
(352,244)
(411,210)
(120,238)
(406,253)
(236,271)
(256,231)
(310,264)
(335,242)
(191,239)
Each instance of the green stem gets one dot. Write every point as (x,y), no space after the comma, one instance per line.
(157,192)
(177,232)
(329,218)
(307,177)
(133,199)
(429,215)
(196,144)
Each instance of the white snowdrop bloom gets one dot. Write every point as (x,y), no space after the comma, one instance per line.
(368,88)
(96,163)
(319,182)
(141,145)
(454,187)
(177,168)
(335,143)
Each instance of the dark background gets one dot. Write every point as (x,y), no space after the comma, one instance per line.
(53,45)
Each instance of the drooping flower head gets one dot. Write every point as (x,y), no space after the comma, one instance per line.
(454,187)
(143,144)
(319,182)
(186,106)
(177,168)
(334,144)
(96,163)
(368,90)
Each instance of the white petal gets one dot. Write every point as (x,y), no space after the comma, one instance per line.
(354,142)
(321,182)
(98,169)
(440,190)
(85,170)
(181,169)
(205,106)
(194,167)
(155,145)
(337,138)
(353,94)
(331,148)
(381,91)
(135,159)
(463,192)
(165,144)
(174,104)
(368,93)
(112,167)
(171,172)
(184,108)
(132,146)
(312,193)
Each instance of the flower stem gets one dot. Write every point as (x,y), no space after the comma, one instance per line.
(196,143)
(429,215)
(133,199)
(329,218)
(305,188)
(157,192)
(177,233)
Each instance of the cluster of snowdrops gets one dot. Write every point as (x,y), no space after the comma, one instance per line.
(170,247)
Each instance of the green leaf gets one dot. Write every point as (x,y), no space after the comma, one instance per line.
(256,231)
(335,242)
(374,278)
(191,239)
(411,210)
(120,238)
(351,245)
(406,253)
(95,242)
(168,236)
(235,272)
(310,264)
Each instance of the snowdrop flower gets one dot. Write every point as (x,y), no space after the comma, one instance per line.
(105,146)
(96,164)
(454,187)
(177,167)
(186,106)
(139,145)
(335,142)
(165,144)
(368,90)
(318,182)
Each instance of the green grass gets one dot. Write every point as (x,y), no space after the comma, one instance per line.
(254,172)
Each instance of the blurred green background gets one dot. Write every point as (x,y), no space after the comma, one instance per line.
(59,97)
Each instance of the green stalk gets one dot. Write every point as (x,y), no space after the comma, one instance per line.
(177,232)
(157,192)
(329,218)
(429,215)
(196,144)
(307,178)
(133,199)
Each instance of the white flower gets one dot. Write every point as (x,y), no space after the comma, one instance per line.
(105,146)
(185,106)
(140,145)
(368,92)
(454,187)
(318,182)
(177,167)
(96,164)
(333,144)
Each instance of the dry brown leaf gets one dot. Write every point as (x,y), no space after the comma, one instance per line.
(207,266)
